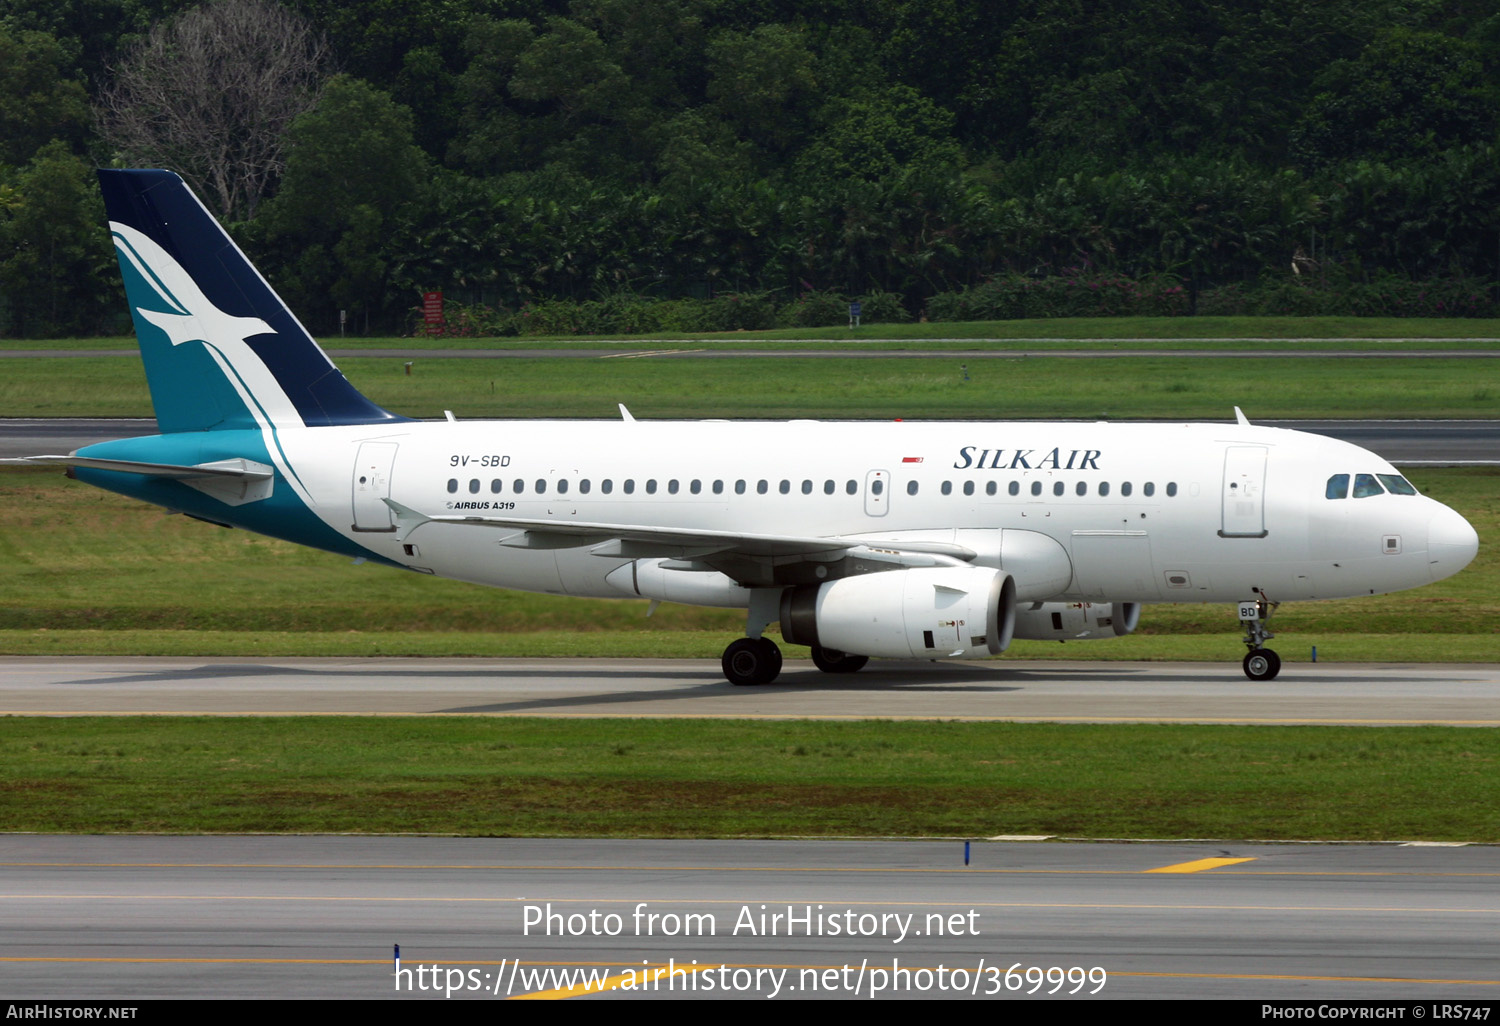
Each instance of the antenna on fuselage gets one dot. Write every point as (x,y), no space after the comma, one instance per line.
(1240,418)
(625,415)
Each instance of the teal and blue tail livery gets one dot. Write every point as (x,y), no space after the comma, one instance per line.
(235,379)
(222,351)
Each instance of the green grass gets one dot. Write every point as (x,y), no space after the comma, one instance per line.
(719,778)
(1101,329)
(1023,387)
(85,571)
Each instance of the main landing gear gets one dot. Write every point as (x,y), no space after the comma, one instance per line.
(757,660)
(1260,662)
(752,661)
(831,660)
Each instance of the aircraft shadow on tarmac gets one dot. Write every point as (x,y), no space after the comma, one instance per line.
(888,673)
(699,681)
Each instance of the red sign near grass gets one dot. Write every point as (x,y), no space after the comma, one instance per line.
(432,312)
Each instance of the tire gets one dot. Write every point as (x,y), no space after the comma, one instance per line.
(751,661)
(1262,664)
(773,659)
(831,660)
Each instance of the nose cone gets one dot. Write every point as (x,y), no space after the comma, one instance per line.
(1451,543)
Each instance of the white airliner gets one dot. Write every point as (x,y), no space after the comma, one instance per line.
(928,540)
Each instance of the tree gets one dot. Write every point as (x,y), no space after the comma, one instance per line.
(55,257)
(354,182)
(211,94)
(875,136)
(1408,94)
(38,102)
(764,82)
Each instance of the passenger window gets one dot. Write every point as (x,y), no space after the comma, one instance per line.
(1103,489)
(474,486)
(630,486)
(1365,486)
(947,488)
(911,488)
(991,487)
(719,487)
(1396,484)
(852,487)
(806,487)
(519,486)
(1082,488)
(1125,488)
(739,487)
(785,487)
(495,486)
(1057,488)
(829,486)
(672,487)
(877,487)
(696,486)
(650,486)
(541,486)
(452,485)
(562,486)
(1036,488)
(1149,488)
(606,486)
(1015,488)
(968,487)
(1171,489)
(583,486)
(762,486)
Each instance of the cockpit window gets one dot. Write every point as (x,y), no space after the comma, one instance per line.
(1396,484)
(1365,486)
(1338,487)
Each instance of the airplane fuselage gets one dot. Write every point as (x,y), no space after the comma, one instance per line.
(1140,512)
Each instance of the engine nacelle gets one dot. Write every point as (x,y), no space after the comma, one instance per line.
(1077,621)
(927,612)
(1036,562)
(673,580)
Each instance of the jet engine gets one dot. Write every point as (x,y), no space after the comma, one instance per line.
(927,612)
(1076,621)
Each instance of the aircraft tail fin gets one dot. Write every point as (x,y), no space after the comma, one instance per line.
(221,349)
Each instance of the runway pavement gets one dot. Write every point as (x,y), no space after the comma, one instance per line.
(1094,692)
(129,918)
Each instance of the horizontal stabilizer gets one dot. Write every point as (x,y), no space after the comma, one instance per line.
(247,470)
(233,482)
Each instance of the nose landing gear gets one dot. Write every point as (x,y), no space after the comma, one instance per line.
(1260,662)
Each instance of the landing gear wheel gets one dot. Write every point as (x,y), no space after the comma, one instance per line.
(831,660)
(751,661)
(1262,664)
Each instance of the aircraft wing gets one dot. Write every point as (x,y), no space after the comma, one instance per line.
(638,541)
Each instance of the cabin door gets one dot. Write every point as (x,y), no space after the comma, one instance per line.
(1244,512)
(372,486)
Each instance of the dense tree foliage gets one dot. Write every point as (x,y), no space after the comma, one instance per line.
(212,93)
(519,152)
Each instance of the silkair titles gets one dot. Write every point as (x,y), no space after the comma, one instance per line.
(1026,459)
